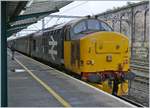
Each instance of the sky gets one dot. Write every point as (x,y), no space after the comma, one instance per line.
(76,8)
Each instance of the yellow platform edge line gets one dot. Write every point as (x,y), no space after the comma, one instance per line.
(49,89)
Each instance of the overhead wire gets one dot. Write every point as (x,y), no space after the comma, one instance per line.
(48,22)
(36,27)
(57,20)
(75,6)
(90,9)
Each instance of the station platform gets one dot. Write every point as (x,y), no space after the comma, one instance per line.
(33,84)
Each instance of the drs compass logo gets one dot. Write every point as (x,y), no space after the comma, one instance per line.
(53,44)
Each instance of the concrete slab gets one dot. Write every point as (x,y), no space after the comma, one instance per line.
(24,91)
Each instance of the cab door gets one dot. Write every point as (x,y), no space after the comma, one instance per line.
(67,48)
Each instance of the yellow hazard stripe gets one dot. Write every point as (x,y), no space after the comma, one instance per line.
(49,89)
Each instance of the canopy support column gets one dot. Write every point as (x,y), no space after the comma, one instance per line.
(4,101)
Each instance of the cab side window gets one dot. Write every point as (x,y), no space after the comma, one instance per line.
(80,27)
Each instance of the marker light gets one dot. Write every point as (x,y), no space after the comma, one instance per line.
(109,58)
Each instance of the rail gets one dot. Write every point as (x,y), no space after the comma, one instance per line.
(140,70)
(140,62)
(139,86)
(130,101)
(145,68)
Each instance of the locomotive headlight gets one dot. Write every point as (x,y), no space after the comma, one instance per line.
(90,62)
(109,58)
(101,46)
(126,61)
(126,51)
(120,66)
(117,46)
(81,62)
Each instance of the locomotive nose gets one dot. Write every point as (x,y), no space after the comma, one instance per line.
(108,50)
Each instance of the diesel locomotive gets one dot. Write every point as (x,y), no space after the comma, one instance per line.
(88,47)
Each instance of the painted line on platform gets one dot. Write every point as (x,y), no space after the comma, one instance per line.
(49,89)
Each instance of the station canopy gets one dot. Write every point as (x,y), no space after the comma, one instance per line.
(21,14)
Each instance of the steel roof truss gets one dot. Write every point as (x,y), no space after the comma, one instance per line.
(23,17)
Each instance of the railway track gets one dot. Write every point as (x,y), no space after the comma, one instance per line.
(130,101)
(138,96)
(142,80)
(138,67)
(144,64)
(140,63)
(141,69)
(139,86)
(140,60)
(141,74)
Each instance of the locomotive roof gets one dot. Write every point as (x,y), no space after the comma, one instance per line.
(71,23)
(59,26)
(54,27)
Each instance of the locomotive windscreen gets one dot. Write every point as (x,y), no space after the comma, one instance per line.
(88,26)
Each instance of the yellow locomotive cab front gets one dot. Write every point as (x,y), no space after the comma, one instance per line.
(99,55)
(105,53)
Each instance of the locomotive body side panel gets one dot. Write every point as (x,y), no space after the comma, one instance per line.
(22,44)
(67,55)
(35,46)
(72,56)
(54,47)
(47,46)
(44,47)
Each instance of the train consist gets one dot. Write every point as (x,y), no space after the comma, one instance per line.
(88,47)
